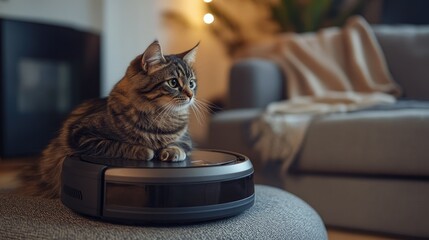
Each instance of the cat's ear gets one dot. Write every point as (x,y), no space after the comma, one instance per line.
(152,55)
(190,55)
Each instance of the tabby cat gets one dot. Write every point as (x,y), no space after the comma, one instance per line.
(144,117)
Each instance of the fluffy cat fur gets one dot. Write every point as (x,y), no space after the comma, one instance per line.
(144,117)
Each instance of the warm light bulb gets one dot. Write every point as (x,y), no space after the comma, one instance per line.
(208,18)
(207,1)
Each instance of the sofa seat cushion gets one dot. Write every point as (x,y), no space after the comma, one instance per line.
(389,141)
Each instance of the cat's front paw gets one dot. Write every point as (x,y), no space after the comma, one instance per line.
(147,155)
(172,153)
(136,152)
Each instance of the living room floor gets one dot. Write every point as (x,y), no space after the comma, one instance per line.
(9,170)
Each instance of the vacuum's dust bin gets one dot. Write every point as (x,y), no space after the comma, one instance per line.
(210,184)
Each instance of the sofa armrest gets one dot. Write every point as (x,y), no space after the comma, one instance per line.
(254,83)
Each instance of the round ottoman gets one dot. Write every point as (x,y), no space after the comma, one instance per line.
(276,215)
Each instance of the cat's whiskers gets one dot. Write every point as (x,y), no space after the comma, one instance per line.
(210,106)
(196,113)
(201,108)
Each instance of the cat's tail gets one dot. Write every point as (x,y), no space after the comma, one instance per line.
(27,182)
(32,182)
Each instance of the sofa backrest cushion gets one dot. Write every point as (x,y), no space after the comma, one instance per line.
(406,49)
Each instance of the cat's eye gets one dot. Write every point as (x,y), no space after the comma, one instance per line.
(192,84)
(173,83)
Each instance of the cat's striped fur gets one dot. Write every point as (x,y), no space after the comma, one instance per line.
(144,117)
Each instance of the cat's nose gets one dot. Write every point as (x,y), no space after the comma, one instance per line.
(188,93)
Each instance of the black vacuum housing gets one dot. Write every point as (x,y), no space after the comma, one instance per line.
(210,184)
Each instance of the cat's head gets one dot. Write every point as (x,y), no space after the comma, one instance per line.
(157,81)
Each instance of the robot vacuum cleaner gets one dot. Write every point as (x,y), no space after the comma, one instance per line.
(209,185)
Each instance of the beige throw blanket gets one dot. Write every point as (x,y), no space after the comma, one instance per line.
(333,70)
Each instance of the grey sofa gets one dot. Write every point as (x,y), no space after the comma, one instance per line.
(364,170)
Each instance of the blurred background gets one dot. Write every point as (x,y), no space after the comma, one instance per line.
(57,53)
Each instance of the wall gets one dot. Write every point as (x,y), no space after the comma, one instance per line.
(80,14)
